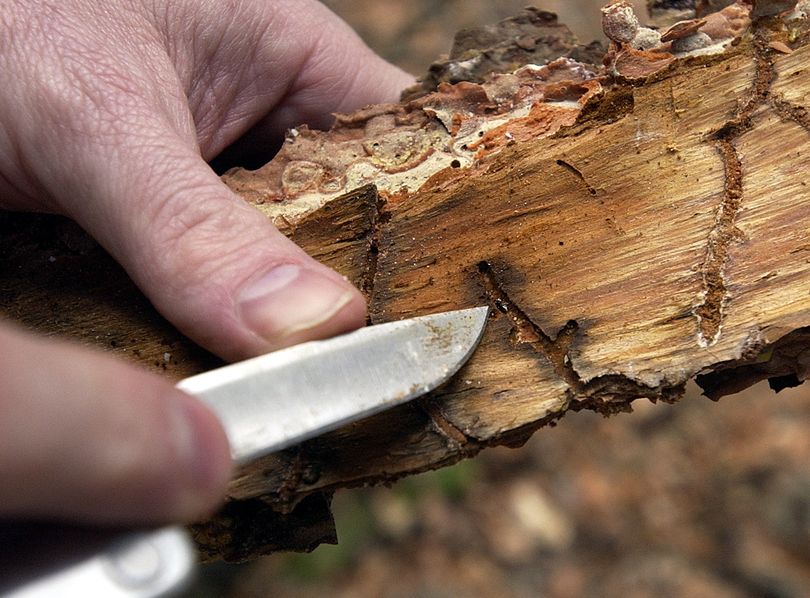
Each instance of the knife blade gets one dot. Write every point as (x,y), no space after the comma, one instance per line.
(265,404)
(282,398)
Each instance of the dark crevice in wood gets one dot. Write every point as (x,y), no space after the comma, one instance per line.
(709,313)
(764,76)
(379,217)
(299,470)
(456,438)
(261,529)
(782,361)
(780,383)
(577,173)
(612,393)
(607,394)
(525,331)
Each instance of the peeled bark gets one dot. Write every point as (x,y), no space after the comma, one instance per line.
(633,227)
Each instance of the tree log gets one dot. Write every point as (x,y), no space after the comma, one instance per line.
(633,226)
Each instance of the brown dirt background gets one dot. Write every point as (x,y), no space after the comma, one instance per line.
(695,499)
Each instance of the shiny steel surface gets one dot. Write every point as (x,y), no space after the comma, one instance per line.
(277,400)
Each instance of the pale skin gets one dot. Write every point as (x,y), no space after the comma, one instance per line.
(110,112)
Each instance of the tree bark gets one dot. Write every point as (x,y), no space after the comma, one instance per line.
(632,229)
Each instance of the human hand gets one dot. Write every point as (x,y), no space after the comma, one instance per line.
(110,112)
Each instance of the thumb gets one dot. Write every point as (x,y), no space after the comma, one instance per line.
(212,264)
(88,438)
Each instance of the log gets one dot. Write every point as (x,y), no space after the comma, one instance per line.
(634,225)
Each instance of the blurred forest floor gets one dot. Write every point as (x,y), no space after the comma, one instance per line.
(694,499)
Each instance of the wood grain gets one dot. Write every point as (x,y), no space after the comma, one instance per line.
(661,237)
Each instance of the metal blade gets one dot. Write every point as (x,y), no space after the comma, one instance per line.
(280,399)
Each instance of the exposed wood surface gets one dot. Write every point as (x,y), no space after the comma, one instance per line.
(657,232)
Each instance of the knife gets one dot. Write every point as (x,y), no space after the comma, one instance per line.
(265,404)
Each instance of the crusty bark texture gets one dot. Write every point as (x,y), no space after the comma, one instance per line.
(634,224)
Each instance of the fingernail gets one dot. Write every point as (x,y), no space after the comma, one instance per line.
(290,300)
(204,454)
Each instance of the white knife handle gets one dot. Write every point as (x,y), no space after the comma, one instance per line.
(38,561)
